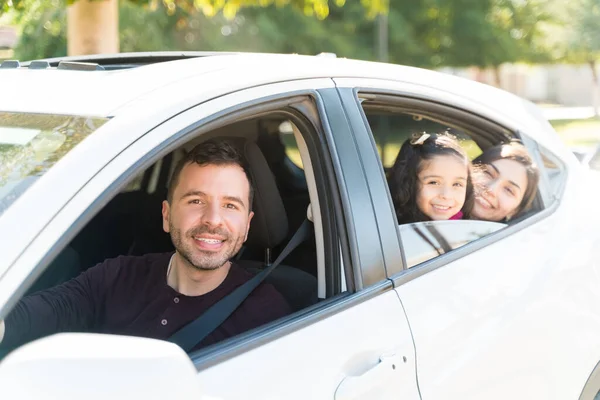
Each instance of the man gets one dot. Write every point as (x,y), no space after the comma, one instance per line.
(207,214)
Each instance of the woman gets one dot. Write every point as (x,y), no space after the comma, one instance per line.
(505,182)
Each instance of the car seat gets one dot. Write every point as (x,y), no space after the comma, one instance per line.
(269,229)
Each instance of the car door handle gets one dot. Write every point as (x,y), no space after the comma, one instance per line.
(357,387)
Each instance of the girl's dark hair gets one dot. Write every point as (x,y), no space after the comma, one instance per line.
(514,151)
(403,177)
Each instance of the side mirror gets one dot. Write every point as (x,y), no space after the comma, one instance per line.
(92,366)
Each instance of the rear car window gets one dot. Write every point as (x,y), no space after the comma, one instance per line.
(30,144)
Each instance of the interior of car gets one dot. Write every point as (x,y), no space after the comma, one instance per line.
(131,223)
(391,125)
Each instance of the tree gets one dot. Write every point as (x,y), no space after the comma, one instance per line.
(430,33)
(42,29)
(487,33)
(582,44)
(346,32)
(93,24)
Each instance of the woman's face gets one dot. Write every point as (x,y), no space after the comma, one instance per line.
(499,189)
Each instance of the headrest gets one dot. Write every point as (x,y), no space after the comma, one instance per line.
(269,226)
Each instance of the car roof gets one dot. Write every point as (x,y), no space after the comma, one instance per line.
(101,92)
(105,93)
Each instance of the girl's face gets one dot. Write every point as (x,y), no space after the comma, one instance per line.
(442,187)
(499,189)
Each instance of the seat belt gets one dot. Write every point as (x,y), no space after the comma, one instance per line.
(193,333)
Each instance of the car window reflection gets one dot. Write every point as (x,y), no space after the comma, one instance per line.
(423,241)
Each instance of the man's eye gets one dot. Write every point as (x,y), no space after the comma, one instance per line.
(194,201)
(458,184)
(231,206)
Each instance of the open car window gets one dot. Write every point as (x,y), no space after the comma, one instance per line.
(391,129)
(394,119)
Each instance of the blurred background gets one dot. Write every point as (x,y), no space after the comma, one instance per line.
(543,50)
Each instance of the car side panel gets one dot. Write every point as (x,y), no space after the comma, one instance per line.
(312,362)
(517,318)
(307,357)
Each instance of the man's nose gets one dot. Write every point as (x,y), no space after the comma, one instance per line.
(212,215)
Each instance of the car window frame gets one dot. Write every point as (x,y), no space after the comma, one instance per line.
(462,112)
(264,103)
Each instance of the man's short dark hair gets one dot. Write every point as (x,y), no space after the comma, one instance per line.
(212,152)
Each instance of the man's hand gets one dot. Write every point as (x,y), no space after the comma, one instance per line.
(1,331)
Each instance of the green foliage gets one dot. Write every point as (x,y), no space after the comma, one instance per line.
(229,8)
(582,44)
(427,33)
(42,29)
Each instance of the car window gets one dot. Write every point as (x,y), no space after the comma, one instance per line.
(30,144)
(594,159)
(594,162)
(390,130)
(131,224)
(393,120)
(286,135)
(555,172)
(423,241)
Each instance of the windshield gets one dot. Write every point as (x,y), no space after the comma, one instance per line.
(30,144)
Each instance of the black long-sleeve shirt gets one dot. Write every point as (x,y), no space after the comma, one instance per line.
(130,296)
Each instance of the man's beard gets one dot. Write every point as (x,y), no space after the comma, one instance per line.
(205,261)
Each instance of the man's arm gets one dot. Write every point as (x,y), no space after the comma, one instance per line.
(70,307)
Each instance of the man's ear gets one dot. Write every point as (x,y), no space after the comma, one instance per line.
(166,211)
(248,225)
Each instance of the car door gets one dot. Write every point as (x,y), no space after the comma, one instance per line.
(356,345)
(511,315)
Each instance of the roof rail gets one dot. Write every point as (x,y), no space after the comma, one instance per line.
(79,66)
(129,60)
(39,64)
(10,64)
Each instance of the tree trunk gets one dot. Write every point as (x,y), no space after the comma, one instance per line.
(93,27)
(497,75)
(595,87)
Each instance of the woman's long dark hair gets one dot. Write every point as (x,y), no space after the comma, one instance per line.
(403,177)
(514,151)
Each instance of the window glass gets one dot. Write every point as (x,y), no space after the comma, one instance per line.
(423,241)
(427,239)
(554,169)
(594,160)
(286,134)
(30,144)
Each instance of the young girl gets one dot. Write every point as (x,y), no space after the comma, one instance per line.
(431,180)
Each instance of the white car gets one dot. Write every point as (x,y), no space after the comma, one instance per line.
(496,311)
(592,158)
